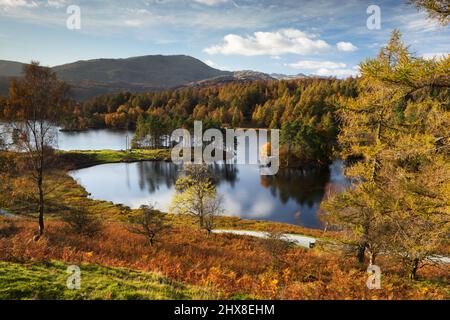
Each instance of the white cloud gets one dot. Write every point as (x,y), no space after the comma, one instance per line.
(211,2)
(422,24)
(18,3)
(283,41)
(434,55)
(310,65)
(325,68)
(134,23)
(336,72)
(211,63)
(261,207)
(56,3)
(215,65)
(346,46)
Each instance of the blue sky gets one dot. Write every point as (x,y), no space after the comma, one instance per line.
(325,37)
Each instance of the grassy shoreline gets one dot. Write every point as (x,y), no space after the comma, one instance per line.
(80,159)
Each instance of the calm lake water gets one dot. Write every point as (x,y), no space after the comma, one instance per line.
(98,139)
(292,196)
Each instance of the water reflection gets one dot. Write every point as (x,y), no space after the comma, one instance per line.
(292,196)
(153,174)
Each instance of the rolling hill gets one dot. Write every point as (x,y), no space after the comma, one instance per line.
(145,73)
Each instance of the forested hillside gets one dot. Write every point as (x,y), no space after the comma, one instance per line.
(303,109)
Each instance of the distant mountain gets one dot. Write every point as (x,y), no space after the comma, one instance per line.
(236,76)
(252,75)
(281,76)
(137,74)
(156,71)
(10,68)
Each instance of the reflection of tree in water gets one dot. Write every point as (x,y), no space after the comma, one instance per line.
(225,173)
(152,174)
(305,187)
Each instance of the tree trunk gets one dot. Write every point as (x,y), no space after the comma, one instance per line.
(288,154)
(362,246)
(372,257)
(360,254)
(202,221)
(414,266)
(41,209)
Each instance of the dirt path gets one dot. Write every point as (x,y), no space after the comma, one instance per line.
(7,214)
(303,241)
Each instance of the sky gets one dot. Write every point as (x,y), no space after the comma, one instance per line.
(321,37)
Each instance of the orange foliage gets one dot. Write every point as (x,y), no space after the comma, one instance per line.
(234,266)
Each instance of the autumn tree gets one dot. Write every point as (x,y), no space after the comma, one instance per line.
(288,133)
(369,124)
(358,213)
(418,212)
(197,195)
(148,222)
(436,9)
(37,98)
(150,132)
(394,137)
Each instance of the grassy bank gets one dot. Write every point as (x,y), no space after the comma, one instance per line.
(48,281)
(82,159)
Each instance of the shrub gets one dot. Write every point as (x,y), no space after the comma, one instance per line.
(8,227)
(148,223)
(81,222)
(276,244)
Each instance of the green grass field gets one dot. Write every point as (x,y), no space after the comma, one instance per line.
(48,281)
